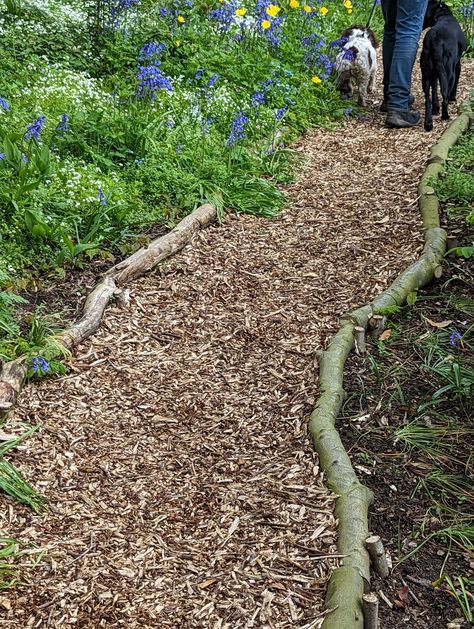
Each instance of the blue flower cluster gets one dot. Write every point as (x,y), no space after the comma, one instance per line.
(311,46)
(225,14)
(4,104)
(39,364)
(116,9)
(150,78)
(455,336)
(34,130)
(63,125)
(237,129)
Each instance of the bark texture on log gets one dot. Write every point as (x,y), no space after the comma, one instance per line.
(146,258)
(94,308)
(347,583)
(12,376)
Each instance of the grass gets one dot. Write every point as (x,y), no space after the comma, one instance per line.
(12,481)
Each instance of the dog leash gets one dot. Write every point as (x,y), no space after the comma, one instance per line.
(372,11)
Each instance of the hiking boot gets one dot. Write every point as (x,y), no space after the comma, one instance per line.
(384,105)
(402,119)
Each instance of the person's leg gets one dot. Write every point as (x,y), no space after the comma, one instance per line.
(409,23)
(389,9)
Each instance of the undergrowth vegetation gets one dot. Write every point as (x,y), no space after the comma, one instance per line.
(117,114)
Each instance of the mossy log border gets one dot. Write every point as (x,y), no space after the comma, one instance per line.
(351,580)
(13,373)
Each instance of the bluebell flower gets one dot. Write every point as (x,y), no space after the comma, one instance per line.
(237,129)
(225,15)
(152,50)
(24,159)
(199,74)
(63,125)
(454,337)
(179,149)
(348,54)
(164,12)
(279,114)
(4,104)
(258,98)
(39,364)
(34,129)
(101,197)
(150,80)
(339,43)
(213,80)
(348,111)
(2,155)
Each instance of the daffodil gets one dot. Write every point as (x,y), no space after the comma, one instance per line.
(294,4)
(241,12)
(266,24)
(273,10)
(307,8)
(316,79)
(181,19)
(324,10)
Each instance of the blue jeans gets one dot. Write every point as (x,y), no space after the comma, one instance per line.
(403,26)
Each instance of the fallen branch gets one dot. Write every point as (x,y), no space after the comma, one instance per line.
(13,373)
(148,257)
(349,581)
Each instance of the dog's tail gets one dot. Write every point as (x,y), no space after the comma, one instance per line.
(439,60)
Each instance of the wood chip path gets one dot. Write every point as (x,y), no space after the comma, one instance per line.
(183,489)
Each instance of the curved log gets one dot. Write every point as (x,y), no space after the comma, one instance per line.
(13,373)
(146,258)
(349,582)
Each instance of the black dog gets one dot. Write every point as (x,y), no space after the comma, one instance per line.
(440,59)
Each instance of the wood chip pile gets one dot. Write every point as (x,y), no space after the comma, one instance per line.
(183,488)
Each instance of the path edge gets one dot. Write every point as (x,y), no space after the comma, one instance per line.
(13,373)
(351,580)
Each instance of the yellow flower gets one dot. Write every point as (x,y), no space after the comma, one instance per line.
(316,79)
(181,19)
(178,42)
(273,10)
(348,4)
(294,4)
(266,24)
(349,11)
(307,8)
(241,12)
(324,10)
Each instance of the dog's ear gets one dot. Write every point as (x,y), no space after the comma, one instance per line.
(348,32)
(373,40)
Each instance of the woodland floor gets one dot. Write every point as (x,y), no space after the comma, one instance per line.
(182,485)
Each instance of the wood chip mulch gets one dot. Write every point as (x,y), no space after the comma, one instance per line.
(183,489)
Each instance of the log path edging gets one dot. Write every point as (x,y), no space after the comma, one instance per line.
(351,580)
